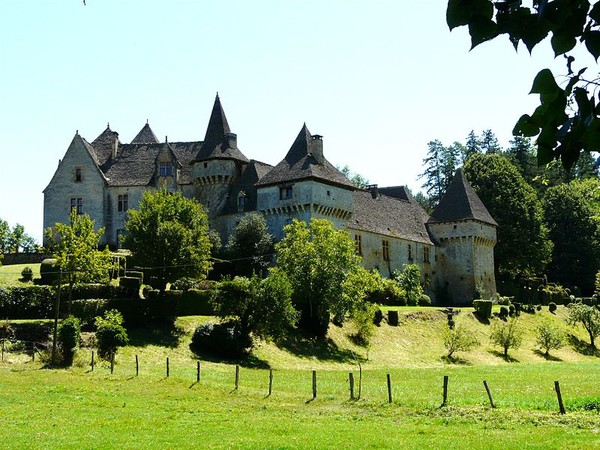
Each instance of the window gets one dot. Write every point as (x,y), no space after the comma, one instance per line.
(426,254)
(386,249)
(285,193)
(123,203)
(78,174)
(205,165)
(77,204)
(165,169)
(358,244)
(410,252)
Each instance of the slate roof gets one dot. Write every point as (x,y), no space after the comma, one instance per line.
(215,144)
(136,163)
(460,202)
(103,145)
(145,136)
(246,184)
(300,164)
(389,216)
(399,192)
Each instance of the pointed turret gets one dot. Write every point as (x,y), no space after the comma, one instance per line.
(460,202)
(106,145)
(218,127)
(145,136)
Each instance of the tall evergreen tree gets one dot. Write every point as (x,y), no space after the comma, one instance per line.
(440,164)
(489,143)
(472,146)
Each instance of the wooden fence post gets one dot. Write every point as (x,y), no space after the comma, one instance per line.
(314,383)
(351,381)
(197,371)
(237,376)
(445,392)
(137,366)
(3,341)
(270,382)
(489,393)
(112,362)
(389,388)
(561,406)
(92,360)
(168,367)
(33,351)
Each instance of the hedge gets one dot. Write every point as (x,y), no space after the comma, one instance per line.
(483,308)
(106,291)
(27,302)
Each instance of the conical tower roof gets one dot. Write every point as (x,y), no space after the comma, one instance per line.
(460,202)
(145,136)
(217,125)
(105,143)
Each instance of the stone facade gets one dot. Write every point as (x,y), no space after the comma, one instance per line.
(453,247)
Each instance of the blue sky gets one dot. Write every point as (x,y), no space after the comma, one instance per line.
(377,79)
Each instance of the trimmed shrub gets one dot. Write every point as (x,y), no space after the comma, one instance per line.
(552,307)
(483,308)
(27,274)
(97,290)
(132,284)
(110,333)
(377,317)
(87,310)
(518,308)
(49,271)
(424,300)
(503,312)
(221,340)
(69,335)
(393,318)
(26,302)
(38,332)
(512,310)
(194,303)
(185,284)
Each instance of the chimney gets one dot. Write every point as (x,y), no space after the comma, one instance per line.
(373,189)
(231,140)
(317,148)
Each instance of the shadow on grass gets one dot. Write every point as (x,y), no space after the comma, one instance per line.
(483,320)
(456,360)
(163,335)
(582,347)
(326,349)
(506,358)
(249,361)
(547,357)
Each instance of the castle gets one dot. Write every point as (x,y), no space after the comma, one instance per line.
(104,178)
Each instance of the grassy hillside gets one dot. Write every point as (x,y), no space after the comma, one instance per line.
(11,274)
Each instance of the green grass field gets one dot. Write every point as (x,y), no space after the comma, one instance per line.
(77,408)
(11,274)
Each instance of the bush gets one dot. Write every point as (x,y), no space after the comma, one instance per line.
(507,335)
(512,311)
(87,310)
(38,332)
(69,335)
(503,312)
(459,339)
(410,281)
(552,307)
(97,290)
(363,321)
(27,274)
(483,308)
(26,302)
(377,317)
(393,318)
(132,284)
(195,303)
(49,271)
(553,293)
(185,284)
(549,337)
(110,333)
(220,340)
(424,300)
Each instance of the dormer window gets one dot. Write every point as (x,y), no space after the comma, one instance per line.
(286,193)
(78,176)
(241,203)
(165,169)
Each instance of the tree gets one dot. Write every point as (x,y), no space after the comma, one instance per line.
(523,246)
(588,316)
(15,240)
(459,339)
(522,154)
(355,178)
(507,335)
(549,337)
(567,120)
(110,333)
(410,282)
(440,164)
(472,146)
(251,246)
(575,234)
(69,335)
(168,234)
(489,142)
(317,258)
(75,248)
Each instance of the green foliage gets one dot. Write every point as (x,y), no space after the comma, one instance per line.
(440,164)
(588,317)
(318,258)
(570,215)
(483,308)
(355,178)
(553,293)
(523,246)
(49,271)
(566,121)
(27,274)
(75,248)
(387,291)
(185,284)
(424,300)
(363,319)
(26,302)
(15,240)
(549,337)
(459,339)
(131,284)
(503,314)
(552,307)
(69,335)
(110,333)
(250,246)
(221,340)
(410,282)
(507,335)
(169,233)
(262,307)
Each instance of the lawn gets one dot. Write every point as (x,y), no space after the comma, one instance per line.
(11,274)
(79,408)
